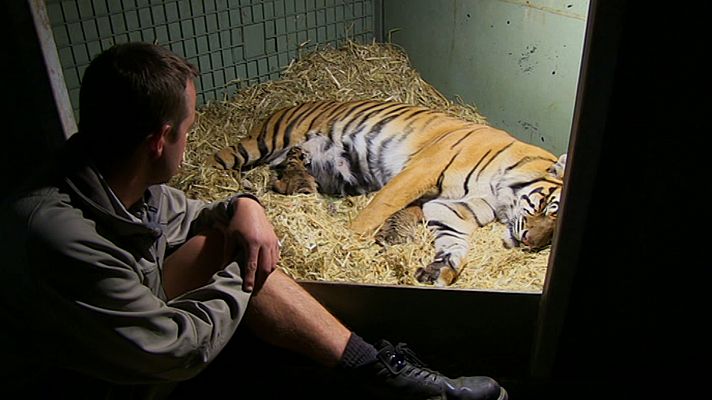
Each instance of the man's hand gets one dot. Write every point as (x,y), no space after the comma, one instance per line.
(250,231)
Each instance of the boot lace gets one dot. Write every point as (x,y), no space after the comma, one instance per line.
(420,369)
(409,355)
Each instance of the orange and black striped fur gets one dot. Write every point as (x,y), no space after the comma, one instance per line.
(465,175)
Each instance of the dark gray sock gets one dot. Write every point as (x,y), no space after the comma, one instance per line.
(358,352)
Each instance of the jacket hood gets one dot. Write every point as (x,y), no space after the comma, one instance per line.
(84,183)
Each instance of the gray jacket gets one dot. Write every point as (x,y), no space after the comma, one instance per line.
(81,298)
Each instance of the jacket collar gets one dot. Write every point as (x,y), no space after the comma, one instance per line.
(86,185)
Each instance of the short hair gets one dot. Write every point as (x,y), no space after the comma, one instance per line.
(128,92)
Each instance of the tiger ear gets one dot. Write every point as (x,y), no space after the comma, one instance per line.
(557,169)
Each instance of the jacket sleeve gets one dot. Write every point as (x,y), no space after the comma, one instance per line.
(87,309)
(182,217)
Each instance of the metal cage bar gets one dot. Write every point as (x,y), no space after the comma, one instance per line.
(234,43)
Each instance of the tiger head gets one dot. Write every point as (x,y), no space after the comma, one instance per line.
(536,210)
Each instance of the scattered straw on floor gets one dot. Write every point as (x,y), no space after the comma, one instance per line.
(317,244)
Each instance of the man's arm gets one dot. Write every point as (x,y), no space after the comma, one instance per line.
(250,230)
(245,226)
(87,309)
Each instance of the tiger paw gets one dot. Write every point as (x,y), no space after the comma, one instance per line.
(363,225)
(438,273)
(400,227)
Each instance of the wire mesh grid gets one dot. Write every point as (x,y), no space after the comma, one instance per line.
(234,43)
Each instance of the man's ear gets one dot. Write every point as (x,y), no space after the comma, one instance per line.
(158,140)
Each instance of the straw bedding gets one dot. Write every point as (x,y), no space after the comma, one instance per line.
(317,244)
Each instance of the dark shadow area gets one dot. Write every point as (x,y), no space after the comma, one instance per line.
(31,127)
(250,369)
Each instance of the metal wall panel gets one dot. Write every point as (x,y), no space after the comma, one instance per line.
(518,61)
(234,43)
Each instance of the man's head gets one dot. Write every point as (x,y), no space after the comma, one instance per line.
(130,93)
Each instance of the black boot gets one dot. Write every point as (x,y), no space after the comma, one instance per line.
(398,373)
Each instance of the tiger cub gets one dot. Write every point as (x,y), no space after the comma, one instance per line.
(464,175)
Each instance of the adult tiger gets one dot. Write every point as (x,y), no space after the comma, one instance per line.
(464,175)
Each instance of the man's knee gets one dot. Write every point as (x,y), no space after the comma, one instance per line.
(193,263)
